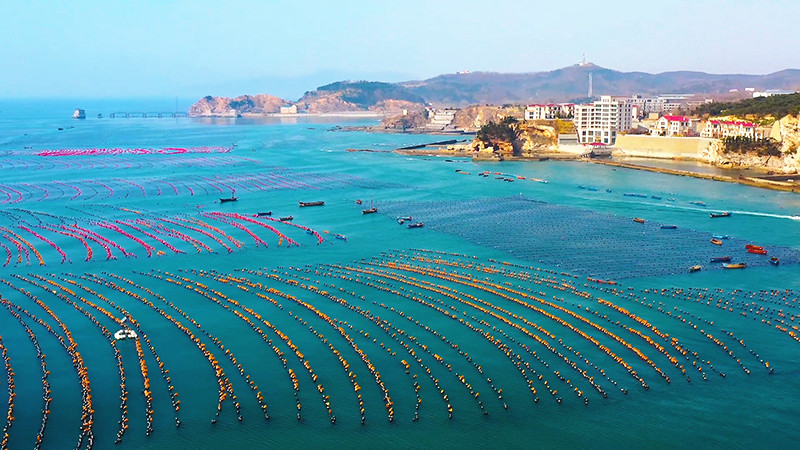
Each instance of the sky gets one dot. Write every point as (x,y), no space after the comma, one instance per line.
(187,49)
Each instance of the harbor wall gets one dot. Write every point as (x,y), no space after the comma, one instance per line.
(662,146)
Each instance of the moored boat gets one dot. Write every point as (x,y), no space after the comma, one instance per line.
(228,199)
(668,227)
(638,220)
(125,333)
(341,236)
(754,247)
(720,236)
(416,225)
(264,213)
(721,214)
(698,203)
(720,258)
(317,203)
(286,219)
(774,260)
(757,251)
(369,211)
(695,268)
(735,266)
(716,241)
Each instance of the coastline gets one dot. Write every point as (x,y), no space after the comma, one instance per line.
(749,181)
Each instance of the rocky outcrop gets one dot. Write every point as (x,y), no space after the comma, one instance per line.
(532,141)
(243,105)
(411,121)
(785,130)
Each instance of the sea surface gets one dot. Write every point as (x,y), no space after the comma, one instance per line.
(521,313)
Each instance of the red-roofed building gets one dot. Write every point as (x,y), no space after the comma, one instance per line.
(675,126)
(550,111)
(724,128)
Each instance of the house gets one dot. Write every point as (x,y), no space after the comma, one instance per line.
(675,126)
(289,109)
(725,128)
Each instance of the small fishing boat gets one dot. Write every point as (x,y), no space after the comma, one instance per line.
(657,197)
(721,214)
(228,199)
(416,225)
(668,227)
(369,211)
(716,241)
(286,219)
(670,199)
(720,258)
(754,247)
(695,269)
(358,201)
(720,236)
(125,333)
(638,220)
(774,260)
(265,213)
(404,218)
(698,203)
(735,266)
(757,251)
(317,203)
(341,236)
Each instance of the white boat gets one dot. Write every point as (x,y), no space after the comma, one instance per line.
(125,333)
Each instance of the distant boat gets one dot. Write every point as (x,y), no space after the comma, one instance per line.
(716,241)
(668,227)
(657,197)
(735,266)
(266,213)
(721,259)
(695,268)
(638,220)
(369,211)
(774,260)
(100,115)
(286,219)
(358,201)
(754,247)
(698,203)
(720,236)
(757,251)
(232,198)
(416,225)
(79,114)
(722,214)
(317,203)
(341,236)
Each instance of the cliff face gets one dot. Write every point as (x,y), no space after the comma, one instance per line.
(245,104)
(785,130)
(472,118)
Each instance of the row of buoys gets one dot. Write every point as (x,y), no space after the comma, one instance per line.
(142,336)
(68,342)
(123,422)
(12,394)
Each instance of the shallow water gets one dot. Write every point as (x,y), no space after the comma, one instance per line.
(381,266)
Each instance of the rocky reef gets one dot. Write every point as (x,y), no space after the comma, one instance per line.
(513,139)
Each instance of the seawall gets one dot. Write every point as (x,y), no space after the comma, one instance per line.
(662,146)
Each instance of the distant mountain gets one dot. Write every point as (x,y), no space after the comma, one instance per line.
(573,82)
(359,96)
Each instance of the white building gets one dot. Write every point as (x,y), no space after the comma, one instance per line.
(550,111)
(675,126)
(289,109)
(725,128)
(771,92)
(599,122)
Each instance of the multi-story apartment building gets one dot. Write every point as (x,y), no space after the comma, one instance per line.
(599,122)
(550,111)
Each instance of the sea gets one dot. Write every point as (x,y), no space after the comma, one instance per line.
(524,309)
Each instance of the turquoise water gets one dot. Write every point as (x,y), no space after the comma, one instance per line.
(386,273)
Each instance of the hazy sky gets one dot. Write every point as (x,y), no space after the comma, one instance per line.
(191,48)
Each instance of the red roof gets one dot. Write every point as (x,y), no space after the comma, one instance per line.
(677,118)
(734,122)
